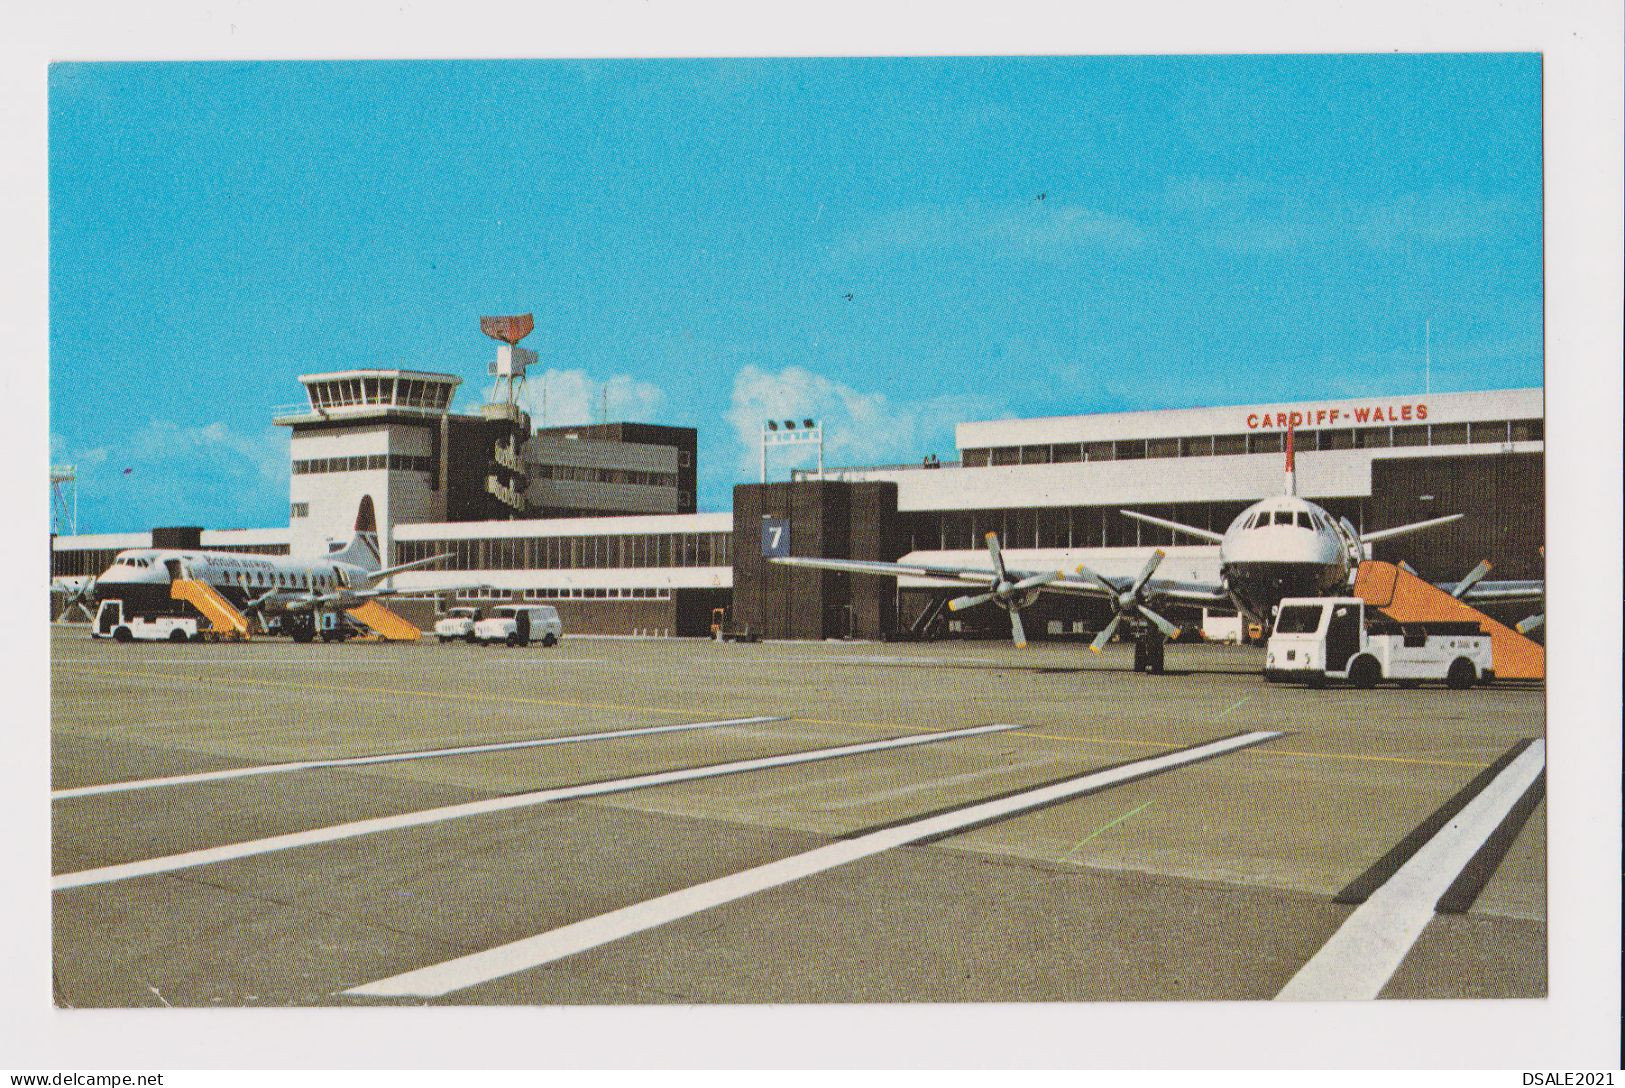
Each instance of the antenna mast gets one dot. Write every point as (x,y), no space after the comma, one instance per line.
(1427,356)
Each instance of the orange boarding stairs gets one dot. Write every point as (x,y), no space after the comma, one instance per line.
(225,621)
(385,624)
(1407,598)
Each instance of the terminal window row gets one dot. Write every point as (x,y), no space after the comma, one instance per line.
(1339,438)
(603,475)
(1084,526)
(575,552)
(577,593)
(397,462)
(407,392)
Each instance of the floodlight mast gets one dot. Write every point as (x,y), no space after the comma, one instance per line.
(65,502)
(783,432)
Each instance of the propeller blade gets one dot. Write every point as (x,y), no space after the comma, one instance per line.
(1151,566)
(1105,635)
(1474,576)
(998,556)
(960,603)
(1099,581)
(1037,580)
(1161,624)
(1533,623)
(1018,633)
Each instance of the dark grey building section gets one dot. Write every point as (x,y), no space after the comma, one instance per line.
(823,518)
(1502,495)
(685,440)
(465,450)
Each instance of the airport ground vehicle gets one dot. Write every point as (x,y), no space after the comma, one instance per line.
(520,624)
(111,622)
(457,623)
(1333,638)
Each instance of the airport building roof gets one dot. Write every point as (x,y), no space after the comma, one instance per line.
(1351,413)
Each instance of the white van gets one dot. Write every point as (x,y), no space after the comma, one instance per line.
(520,624)
(458,623)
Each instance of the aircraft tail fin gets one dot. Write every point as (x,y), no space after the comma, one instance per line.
(1291,468)
(362,547)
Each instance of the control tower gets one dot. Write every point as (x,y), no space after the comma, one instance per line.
(379,433)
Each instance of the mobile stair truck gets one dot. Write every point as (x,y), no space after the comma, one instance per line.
(1334,638)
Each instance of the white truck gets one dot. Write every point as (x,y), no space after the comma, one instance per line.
(111,622)
(457,623)
(1335,638)
(519,625)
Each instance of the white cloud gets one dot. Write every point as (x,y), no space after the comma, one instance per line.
(860,428)
(561,398)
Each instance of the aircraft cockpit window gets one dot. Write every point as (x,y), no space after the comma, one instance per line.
(1304,521)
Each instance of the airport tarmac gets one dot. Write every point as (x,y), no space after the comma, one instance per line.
(834,822)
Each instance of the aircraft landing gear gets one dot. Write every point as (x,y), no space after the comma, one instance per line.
(1148,647)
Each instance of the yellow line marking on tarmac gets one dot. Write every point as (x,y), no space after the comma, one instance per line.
(1233,706)
(520,699)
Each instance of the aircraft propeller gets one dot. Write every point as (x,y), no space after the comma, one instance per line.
(1128,603)
(1474,576)
(1008,595)
(1531,623)
(77,595)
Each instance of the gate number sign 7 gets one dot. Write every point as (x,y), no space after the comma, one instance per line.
(775,537)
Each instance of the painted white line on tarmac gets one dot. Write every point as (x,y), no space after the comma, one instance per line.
(864,800)
(129,870)
(522,955)
(1372,942)
(391,757)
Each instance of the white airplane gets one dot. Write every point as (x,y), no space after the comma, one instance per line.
(1282,546)
(298,589)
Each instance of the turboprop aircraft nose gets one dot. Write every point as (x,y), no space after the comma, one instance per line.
(1280,544)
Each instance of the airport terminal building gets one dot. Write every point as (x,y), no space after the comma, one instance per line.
(601,521)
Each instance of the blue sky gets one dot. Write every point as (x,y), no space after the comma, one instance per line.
(1213,230)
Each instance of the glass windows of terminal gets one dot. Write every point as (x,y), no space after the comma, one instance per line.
(1338,438)
(561,593)
(1084,526)
(597,552)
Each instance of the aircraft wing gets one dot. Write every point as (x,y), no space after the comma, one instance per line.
(350,598)
(973,575)
(1194,594)
(1508,592)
